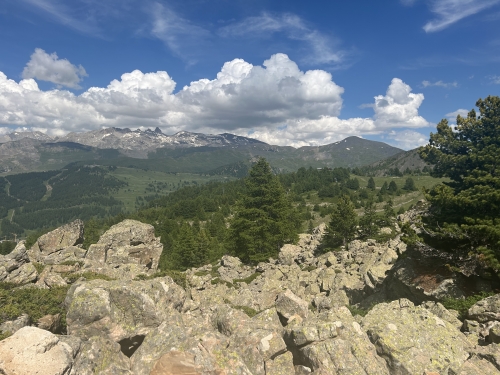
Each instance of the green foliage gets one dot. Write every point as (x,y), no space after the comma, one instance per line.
(87,276)
(32,301)
(462,305)
(410,184)
(247,280)
(6,247)
(39,267)
(468,155)
(368,221)
(265,219)
(371,184)
(358,310)
(344,220)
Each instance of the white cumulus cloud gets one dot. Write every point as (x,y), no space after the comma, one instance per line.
(276,103)
(45,67)
(408,139)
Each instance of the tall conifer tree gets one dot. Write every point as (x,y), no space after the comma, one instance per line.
(265,219)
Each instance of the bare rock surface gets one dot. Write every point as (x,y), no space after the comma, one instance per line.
(16,267)
(130,244)
(35,351)
(68,235)
(413,340)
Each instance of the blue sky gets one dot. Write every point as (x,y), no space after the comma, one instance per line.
(286,72)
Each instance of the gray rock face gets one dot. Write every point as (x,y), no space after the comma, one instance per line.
(288,305)
(129,244)
(120,310)
(57,240)
(35,351)
(333,343)
(100,355)
(486,310)
(16,268)
(15,325)
(414,340)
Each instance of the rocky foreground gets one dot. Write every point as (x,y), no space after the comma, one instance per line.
(287,316)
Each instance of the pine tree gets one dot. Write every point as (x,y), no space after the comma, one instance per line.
(344,220)
(410,184)
(393,188)
(389,212)
(368,222)
(371,184)
(264,219)
(468,155)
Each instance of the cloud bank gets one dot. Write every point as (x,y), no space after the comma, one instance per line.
(276,103)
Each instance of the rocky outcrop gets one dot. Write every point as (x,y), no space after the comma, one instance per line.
(57,240)
(12,326)
(16,267)
(118,310)
(35,351)
(125,250)
(413,340)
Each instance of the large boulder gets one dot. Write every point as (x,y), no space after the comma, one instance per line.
(486,310)
(413,340)
(35,351)
(180,347)
(121,310)
(68,235)
(127,243)
(333,343)
(100,355)
(16,267)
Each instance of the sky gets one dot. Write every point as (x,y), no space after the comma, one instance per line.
(289,72)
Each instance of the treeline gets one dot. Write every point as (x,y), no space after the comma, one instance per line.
(6,202)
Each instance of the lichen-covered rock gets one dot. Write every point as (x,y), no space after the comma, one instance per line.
(288,304)
(414,340)
(48,280)
(16,267)
(179,347)
(66,255)
(120,310)
(128,242)
(68,235)
(35,351)
(451,316)
(486,310)
(99,355)
(12,326)
(50,323)
(333,343)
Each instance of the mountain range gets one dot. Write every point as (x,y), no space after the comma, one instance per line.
(181,152)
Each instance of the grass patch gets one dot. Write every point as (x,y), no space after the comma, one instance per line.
(178,277)
(463,305)
(39,267)
(32,301)
(202,273)
(358,311)
(70,263)
(247,310)
(88,276)
(309,268)
(218,280)
(247,280)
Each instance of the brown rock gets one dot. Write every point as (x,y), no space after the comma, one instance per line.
(175,363)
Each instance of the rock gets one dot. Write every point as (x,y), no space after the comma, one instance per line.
(178,348)
(50,280)
(486,310)
(50,323)
(118,310)
(68,235)
(476,365)
(494,333)
(15,325)
(15,267)
(288,253)
(288,304)
(440,311)
(280,365)
(333,343)
(35,351)
(127,243)
(413,340)
(100,355)
(68,254)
